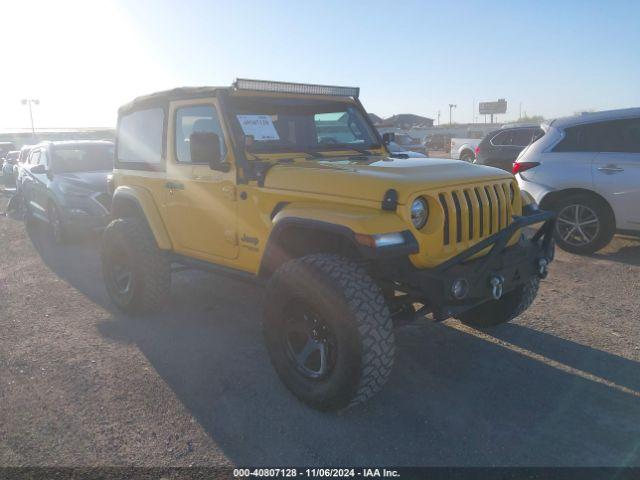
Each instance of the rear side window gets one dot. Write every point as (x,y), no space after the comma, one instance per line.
(35,156)
(615,136)
(521,138)
(503,138)
(140,136)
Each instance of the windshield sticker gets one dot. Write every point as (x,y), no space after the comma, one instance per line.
(259,126)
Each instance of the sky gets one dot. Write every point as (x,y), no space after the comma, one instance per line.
(83,59)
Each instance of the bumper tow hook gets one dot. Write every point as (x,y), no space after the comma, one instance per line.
(497,283)
(543,271)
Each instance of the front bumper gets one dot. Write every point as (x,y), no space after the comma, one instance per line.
(489,277)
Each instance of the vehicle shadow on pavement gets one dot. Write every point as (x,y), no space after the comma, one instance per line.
(629,253)
(452,399)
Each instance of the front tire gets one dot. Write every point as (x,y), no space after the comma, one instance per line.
(328,331)
(57,229)
(496,312)
(136,272)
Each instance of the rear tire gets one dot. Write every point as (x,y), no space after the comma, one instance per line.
(467,157)
(136,272)
(572,237)
(331,296)
(495,312)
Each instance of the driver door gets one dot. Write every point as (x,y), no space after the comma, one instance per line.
(200,206)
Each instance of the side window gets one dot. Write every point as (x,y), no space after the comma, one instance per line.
(630,136)
(593,137)
(201,119)
(44,159)
(501,139)
(34,157)
(140,135)
(521,138)
(538,133)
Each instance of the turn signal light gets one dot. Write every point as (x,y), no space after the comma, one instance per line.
(519,167)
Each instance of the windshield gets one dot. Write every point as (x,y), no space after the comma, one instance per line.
(82,158)
(271,125)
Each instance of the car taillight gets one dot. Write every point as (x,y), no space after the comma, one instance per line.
(519,167)
(477,150)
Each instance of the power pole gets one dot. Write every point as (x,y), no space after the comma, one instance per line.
(451,107)
(29,101)
(520,111)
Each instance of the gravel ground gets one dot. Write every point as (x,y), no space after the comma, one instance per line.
(82,385)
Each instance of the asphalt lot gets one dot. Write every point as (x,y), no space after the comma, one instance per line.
(81,384)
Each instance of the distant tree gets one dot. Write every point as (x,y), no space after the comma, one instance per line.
(531,119)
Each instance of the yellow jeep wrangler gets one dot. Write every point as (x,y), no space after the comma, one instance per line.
(290,185)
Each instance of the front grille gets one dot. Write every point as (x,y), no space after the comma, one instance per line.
(474,213)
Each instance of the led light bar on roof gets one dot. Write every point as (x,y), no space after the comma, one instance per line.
(301,88)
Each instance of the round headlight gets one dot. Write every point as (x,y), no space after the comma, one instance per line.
(419,212)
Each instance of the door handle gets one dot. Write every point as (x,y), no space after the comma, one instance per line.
(174,186)
(610,169)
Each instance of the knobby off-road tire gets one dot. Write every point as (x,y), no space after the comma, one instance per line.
(352,313)
(128,248)
(495,312)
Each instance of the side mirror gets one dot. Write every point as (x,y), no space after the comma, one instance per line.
(388,137)
(39,169)
(205,148)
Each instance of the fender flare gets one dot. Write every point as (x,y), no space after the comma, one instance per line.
(273,254)
(141,200)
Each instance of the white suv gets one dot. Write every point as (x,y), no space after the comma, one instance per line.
(587,169)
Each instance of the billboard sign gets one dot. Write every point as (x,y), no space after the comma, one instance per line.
(490,108)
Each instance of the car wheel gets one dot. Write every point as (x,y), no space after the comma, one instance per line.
(328,331)
(584,224)
(467,157)
(56,227)
(136,272)
(496,312)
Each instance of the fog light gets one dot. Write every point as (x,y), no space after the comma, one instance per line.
(459,288)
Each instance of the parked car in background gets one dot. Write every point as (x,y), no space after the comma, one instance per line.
(66,186)
(408,143)
(438,141)
(464,148)
(398,150)
(587,169)
(501,147)
(8,179)
(20,168)
(6,147)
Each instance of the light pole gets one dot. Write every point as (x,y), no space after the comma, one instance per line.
(438,117)
(451,107)
(29,101)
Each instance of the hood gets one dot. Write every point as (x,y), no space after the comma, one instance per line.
(95,181)
(370,179)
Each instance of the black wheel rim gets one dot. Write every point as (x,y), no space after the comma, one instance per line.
(577,225)
(310,343)
(120,273)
